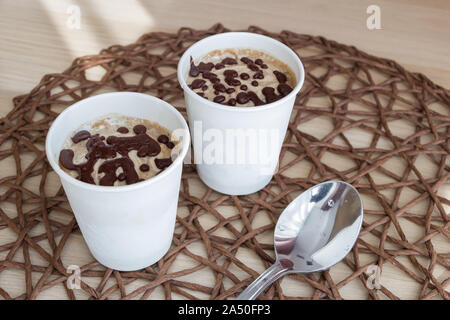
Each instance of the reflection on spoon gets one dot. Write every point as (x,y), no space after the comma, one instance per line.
(313,233)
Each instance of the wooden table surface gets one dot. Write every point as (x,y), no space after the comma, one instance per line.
(35,40)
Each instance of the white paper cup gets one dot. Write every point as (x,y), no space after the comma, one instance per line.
(206,117)
(126,227)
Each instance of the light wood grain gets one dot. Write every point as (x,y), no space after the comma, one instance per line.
(35,40)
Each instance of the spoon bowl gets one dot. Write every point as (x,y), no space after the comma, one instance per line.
(313,233)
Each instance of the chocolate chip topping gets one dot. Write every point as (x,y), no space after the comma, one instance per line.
(231,78)
(269,94)
(233,82)
(197,83)
(253,67)
(258,75)
(250,64)
(219,87)
(211,76)
(80,136)
(230,73)
(229,61)
(244,76)
(97,149)
(242,98)
(163,163)
(144,167)
(219,99)
(122,130)
(246,60)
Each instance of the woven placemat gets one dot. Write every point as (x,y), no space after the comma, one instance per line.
(358,118)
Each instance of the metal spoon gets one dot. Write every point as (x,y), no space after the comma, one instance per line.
(313,233)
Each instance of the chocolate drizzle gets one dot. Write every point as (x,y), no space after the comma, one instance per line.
(281,77)
(165,140)
(110,167)
(201,68)
(244,97)
(230,77)
(284,89)
(80,136)
(170,145)
(123,130)
(97,149)
(270,95)
(143,143)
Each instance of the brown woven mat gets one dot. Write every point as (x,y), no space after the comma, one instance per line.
(358,118)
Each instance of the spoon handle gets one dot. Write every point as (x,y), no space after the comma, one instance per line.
(262,282)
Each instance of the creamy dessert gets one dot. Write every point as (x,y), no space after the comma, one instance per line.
(240,77)
(118,150)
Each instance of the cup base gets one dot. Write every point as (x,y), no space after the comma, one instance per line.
(131,265)
(235,190)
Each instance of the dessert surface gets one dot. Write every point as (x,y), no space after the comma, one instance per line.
(240,77)
(117,150)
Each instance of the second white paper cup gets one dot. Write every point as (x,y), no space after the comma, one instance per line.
(126,227)
(209,120)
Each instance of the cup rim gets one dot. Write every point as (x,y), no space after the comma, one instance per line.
(187,53)
(64,175)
